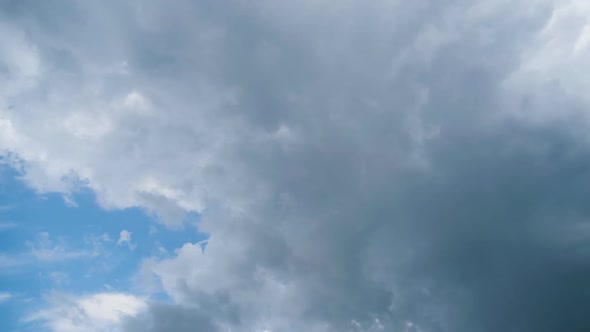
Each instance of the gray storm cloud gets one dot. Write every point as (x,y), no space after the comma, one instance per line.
(405,166)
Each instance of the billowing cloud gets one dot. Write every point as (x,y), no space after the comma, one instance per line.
(359,166)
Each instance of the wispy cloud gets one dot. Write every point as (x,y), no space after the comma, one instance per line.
(4,226)
(69,201)
(45,250)
(6,207)
(4,297)
(97,244)
(125,238)
(59,278)
(11,261)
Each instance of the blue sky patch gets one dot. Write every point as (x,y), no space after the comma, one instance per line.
(48,244)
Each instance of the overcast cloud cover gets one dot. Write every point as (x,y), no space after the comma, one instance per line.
(387,165)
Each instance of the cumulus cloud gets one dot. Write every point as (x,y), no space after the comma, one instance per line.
(102,312)
(359,166)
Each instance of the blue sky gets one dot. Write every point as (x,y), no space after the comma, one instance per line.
(48,245)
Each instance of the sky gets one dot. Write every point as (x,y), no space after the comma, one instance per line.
(284,166)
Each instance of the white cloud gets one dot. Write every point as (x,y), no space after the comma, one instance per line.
(69,201)
(125,238)
(20,59)
(102,312)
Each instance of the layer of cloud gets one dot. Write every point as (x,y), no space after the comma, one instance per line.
(359,166)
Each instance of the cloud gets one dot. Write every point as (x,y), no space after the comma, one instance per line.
(4,226)
(58,278)
(4,297)
(167,317)
(125,238)
(94,313)
(97,243)
(397,166)
(45,250)
(69,201)
(8,261)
